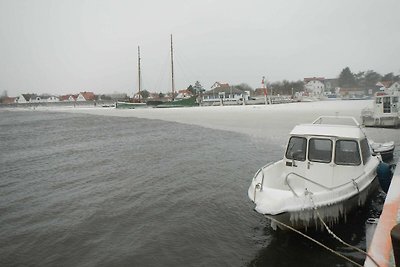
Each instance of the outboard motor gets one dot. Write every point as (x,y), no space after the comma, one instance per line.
(385,174)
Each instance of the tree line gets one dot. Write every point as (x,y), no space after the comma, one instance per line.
(364,79)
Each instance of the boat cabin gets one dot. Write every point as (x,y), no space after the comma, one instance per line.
(386,103)
(325,155)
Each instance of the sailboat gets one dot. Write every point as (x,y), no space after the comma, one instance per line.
(138,103)
(188,102)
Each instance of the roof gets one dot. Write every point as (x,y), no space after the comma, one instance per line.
(385,84)
(220,85)
(88,95)
(332,130)
(321,79)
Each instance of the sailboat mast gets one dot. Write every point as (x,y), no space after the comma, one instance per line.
(139,73)
(172,71)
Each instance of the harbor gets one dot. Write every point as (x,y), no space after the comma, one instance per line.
(267,127)
(199,133)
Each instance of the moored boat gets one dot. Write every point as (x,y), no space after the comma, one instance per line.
(385,112)
(129,105)
(384,149)
(326,172)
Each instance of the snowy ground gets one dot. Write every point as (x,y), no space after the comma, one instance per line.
(260,121)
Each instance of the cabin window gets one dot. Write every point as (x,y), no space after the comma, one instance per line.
(365,150)
(320,150)
(378,100)
(347,153)
(297,148)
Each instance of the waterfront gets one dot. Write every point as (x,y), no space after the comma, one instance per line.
(152,187)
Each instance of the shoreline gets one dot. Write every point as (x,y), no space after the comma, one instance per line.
(258,121)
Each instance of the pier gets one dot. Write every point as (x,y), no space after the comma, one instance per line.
(381,248)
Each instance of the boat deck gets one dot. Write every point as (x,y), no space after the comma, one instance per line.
(381,245)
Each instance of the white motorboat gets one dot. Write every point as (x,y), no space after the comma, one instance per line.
(385,112)
(326,172)
(384,149)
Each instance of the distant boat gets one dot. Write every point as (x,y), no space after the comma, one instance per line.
(129,105)
(385,112)
(326,172)
(185,102)
(138,103)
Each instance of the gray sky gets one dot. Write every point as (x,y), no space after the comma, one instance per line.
(68,46)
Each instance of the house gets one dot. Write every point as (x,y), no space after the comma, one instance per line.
(225,92)
(8,100)
(68,98)
(24,98)
(86,96)
(314,86)
(48,98)
(183,94)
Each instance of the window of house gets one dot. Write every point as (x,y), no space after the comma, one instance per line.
(296,148)
(320,150)
(378,100)
(347,153)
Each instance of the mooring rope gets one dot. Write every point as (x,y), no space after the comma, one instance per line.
(338,238)
(315,241)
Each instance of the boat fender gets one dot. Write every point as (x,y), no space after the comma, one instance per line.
(385,174)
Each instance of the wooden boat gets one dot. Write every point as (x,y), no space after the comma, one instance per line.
(134,103)
(326,172)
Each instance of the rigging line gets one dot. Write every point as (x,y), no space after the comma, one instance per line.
(182,70)
(182,57)
(162,74)
(315,241)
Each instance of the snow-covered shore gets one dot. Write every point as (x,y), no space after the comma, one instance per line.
(261,121)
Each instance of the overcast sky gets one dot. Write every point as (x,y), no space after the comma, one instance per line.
(68,46)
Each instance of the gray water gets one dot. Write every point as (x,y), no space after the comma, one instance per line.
(82,190)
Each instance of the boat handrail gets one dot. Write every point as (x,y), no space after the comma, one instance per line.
(305,178)
(320,118)
(353,181)
(261,170)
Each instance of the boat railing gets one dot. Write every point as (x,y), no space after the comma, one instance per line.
(302,177)
(352,181)
(262,173)
(320,119)
(367,112)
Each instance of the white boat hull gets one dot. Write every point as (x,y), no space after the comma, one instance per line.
(292,203)
(381,121)
(331,214)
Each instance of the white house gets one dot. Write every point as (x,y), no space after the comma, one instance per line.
(314,86)
(21,99)
(80,97)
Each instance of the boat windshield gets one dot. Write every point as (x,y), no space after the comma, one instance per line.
(365,150)
(296,148)
(320,150)
(347,153)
